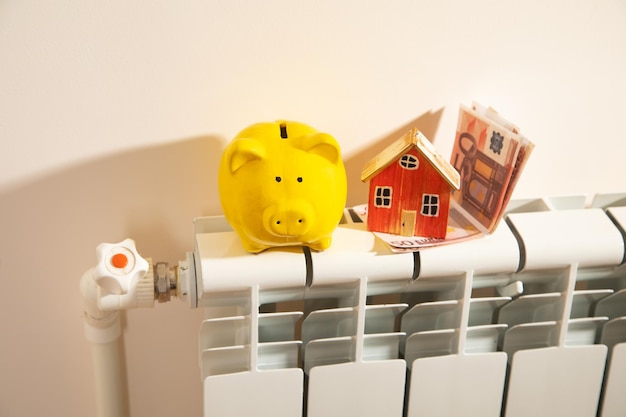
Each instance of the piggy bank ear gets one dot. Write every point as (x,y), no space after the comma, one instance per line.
(322,144)
(243,151)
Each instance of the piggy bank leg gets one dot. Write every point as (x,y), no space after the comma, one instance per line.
(321,244)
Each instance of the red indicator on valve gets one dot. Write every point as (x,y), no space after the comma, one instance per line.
(119,260)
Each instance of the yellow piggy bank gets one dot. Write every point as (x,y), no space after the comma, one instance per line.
(281,184)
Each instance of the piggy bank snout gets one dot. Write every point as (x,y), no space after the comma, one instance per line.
(288,221)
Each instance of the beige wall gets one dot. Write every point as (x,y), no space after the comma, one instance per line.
(113,116)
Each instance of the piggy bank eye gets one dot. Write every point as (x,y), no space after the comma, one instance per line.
(299,179)
(278,179)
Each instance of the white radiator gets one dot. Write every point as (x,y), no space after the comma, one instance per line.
(529,321)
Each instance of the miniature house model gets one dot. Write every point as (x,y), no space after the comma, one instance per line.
(410,186)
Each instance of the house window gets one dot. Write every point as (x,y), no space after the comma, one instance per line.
(430,205)
(383,197)
(409,161)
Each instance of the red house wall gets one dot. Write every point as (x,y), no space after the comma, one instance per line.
(408,187)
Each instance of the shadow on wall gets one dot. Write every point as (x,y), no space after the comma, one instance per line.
(49,229)
(143,193)
(428,123)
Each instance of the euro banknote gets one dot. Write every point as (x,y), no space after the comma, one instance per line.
(490,153)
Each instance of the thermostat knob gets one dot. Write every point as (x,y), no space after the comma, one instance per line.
(118,264)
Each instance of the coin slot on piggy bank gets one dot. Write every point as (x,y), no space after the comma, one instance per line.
(282,184)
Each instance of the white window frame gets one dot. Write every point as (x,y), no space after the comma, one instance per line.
(379,194)
(428,205)
(407,159)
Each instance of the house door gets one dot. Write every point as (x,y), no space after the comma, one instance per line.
(408,222)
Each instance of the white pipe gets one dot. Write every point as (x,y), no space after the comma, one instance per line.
(553,239)
(111,400)
(103,330)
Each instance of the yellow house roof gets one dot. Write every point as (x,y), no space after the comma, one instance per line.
(412,138)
